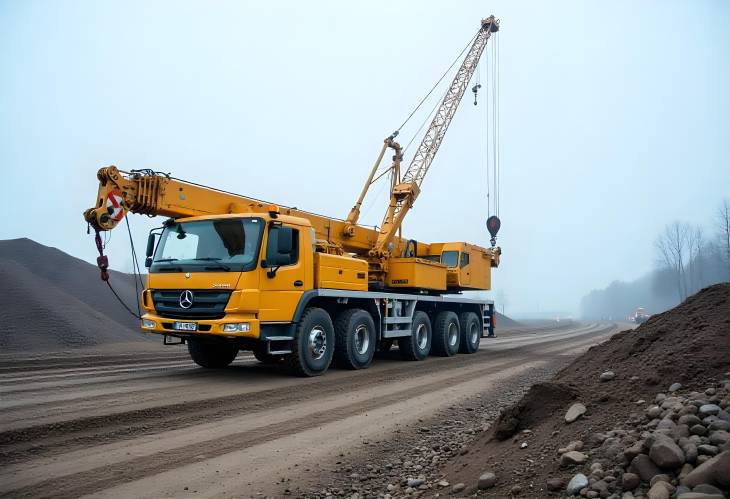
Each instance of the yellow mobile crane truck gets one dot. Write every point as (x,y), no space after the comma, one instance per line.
(230,273)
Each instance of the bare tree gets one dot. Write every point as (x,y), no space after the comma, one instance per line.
(723,222)
(672,246)
(695,242)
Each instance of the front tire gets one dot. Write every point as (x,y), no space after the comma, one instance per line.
(354,339)
(313,344)
(418,344)
(471,332)
(446,335)
(211,355)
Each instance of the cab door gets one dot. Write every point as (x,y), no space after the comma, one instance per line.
(464,268)
(283,270)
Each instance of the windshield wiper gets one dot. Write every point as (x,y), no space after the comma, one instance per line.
(219,266)
(165,260)
(170,268)
(208,259)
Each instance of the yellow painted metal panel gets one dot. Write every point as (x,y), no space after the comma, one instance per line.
(340,272)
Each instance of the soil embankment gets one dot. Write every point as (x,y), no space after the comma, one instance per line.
(620,385)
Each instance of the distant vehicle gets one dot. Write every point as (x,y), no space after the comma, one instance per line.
(640,316)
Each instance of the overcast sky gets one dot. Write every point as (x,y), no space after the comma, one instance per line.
(614,119)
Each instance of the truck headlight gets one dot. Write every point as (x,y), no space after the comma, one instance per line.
(237,327)
(148,324)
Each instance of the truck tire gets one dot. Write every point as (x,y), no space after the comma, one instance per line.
(418,344)
(211,355)
(355,339)
(471,333)
(446,335)
(313,344)
(266,358)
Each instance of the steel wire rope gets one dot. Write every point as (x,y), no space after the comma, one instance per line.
(438,82)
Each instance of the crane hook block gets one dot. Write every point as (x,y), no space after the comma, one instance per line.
(493,225)
(475,89)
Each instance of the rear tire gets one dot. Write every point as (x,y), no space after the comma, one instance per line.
(313,344)
(354,339)
(446,335)
(471,333)
(418,344)
(211,355)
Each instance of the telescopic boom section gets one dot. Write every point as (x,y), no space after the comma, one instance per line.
(152,193)
(404,193)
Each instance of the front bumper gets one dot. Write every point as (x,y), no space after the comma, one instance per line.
(205,327)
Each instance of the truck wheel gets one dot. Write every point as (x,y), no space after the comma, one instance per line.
(354,339)
(418,344)
(313,345)
(471,333)
(446,335)
(266,358)
(211,355)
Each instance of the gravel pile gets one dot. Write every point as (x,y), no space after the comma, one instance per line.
(678,446)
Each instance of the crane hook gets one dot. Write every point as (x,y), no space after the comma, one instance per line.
(475,89)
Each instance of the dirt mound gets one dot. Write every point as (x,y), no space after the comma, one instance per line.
(53,301)
(505,322)
(689,344)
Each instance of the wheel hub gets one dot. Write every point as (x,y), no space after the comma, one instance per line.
(362,339)
(473,334)
(453,334)
(421,337)
(317,342)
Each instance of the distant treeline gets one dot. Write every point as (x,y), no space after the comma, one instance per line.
(687,261)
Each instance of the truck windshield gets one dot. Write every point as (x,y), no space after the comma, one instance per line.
(230,244)
(450,258)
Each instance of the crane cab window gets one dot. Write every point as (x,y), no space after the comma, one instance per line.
(273,257)
(450,258)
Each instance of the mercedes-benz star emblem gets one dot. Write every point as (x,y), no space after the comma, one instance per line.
(186,299)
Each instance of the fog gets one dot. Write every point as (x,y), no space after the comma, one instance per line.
(613,120)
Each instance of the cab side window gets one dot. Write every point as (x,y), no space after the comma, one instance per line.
(273,257)
(464,260)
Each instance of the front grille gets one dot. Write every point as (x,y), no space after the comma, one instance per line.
(206,304)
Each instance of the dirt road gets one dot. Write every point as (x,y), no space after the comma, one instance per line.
(154,425)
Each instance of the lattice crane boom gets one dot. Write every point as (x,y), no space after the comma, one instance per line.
(404,193)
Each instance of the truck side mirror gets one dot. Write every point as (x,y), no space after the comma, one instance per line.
(285,243)
(150,249)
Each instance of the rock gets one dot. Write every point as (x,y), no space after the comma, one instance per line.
(644,467)
(699,495)
(609,375)
(698,429)
(709,410)
(443,483)
(576,410)
(708,450)
(719,437)
(459,487)
(659,478)
(555,484)
(630,481)
(715,471)
(719,425)
(573,457)
(654,411)
(415,482)
(601,487)
(675,386)
(689,419)
(516,490)
(707,489)
(660,490)
(578,482)
(487,481)
(666,454)
(666,424)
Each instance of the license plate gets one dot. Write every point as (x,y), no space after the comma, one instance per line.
(185,326)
